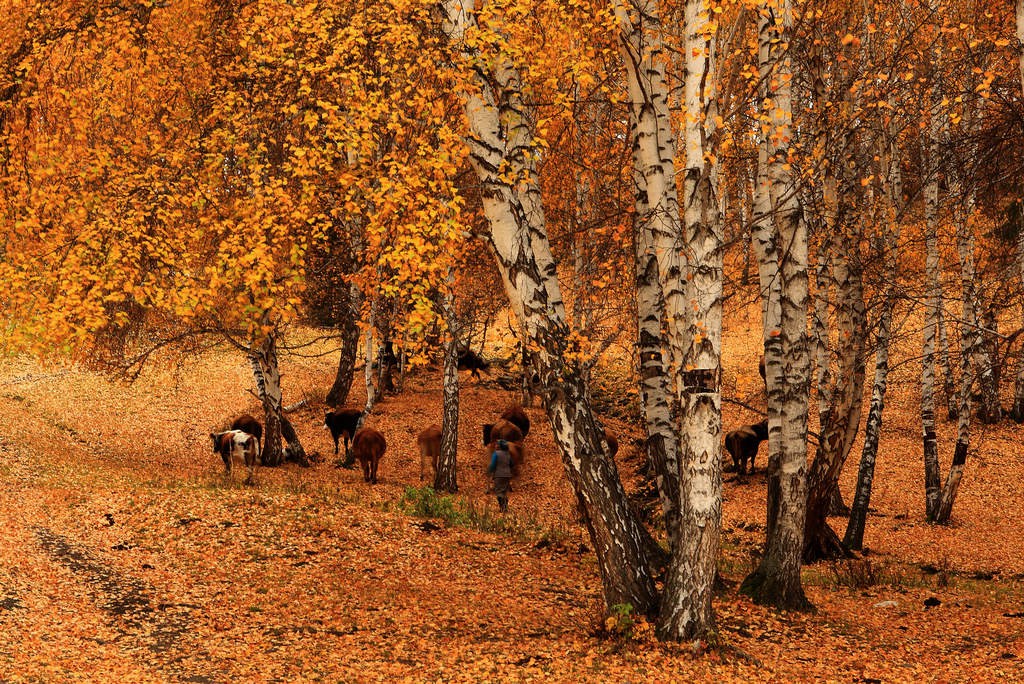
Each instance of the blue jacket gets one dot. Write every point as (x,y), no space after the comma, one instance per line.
(501,464)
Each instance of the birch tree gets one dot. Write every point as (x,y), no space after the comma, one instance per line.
(787,355)
(686,610)
(446,477)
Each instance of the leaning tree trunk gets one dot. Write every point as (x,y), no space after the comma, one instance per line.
(776,581)
(945,365)
(982,362)
(969,339)
(372,391)
(654,381)
(686,609)
(854,537)
(841,422)
(503,155)
(933,323)
(943,506)
(267,376)
(445,478)
(338,393)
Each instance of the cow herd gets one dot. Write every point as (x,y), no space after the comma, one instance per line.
(243,440)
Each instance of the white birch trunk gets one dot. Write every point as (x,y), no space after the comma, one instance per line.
(686,610)
(933,319)
(654,156)
(854,537)
(777,579)
(655,390)
(372,392)
(446,476)
(267,376)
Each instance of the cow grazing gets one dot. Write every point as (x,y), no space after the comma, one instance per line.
(473,362)
(369,445)
(613,443)
(487,433)
(505,430)
(743,442)
(236,444)
(517,416)
(342,423)
(429,442)
(247,423)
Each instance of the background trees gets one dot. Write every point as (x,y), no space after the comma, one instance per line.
(211,171)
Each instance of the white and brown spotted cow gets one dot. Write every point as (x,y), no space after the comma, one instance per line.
(236,444)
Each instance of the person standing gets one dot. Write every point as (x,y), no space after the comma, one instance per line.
(501,469)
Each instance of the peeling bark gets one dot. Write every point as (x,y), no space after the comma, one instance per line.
(776,581)
(446,477)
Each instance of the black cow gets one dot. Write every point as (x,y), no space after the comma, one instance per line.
(743,443)
(471,361)
(342,423)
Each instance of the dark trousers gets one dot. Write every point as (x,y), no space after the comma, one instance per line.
(501,491)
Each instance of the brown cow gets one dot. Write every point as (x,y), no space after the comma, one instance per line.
(247,423)
(613,443)
(429,442)
(236,443)
(505,430)
(743,442)
(369,445)
(517,416)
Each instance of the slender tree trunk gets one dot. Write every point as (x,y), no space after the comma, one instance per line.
(949,383)
(944,502)
(446,478)
(686,609)
(933,324)
(776,580)
(267,376)
(854,537)
(500,138)
(970,338)
(653,156)
(662,448)
(338,394)
(821,319)
(841,421)
(372,392)
(1017,412)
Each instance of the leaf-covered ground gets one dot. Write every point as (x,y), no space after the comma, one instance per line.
(127,553)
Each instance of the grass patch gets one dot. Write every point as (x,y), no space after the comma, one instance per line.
(424,502)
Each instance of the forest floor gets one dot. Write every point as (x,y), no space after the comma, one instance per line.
(127,553)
